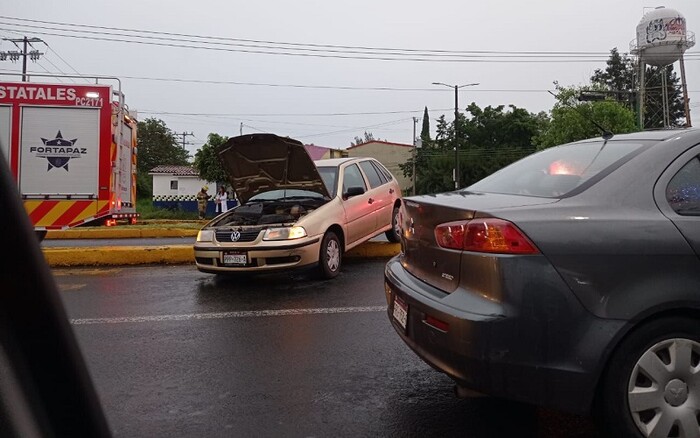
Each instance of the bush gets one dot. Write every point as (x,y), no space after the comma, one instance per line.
(145,208)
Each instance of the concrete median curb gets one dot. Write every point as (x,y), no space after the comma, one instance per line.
(170,254)
(120,233)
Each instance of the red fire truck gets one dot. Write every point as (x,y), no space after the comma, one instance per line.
(72,151)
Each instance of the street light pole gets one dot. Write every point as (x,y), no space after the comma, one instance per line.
(456,126)
(456,139)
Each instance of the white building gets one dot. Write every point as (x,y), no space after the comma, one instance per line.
(176,187)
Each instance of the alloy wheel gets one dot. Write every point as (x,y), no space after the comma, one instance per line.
(333,255)
(664,389)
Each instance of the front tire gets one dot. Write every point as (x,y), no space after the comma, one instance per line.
(394,234)
(331,256)
(652,384)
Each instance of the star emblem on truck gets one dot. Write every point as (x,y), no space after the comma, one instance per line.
(58,151)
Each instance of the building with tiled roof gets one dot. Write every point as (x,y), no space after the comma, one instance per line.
(176,187)
(321,152)
(174,170)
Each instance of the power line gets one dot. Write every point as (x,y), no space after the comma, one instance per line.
(327,87)
(267,44)
(318,55)
(339,52)
(184,135)
(15,55)
(321,87)
(354,129)
(64,61)
(208,38)
(374,113)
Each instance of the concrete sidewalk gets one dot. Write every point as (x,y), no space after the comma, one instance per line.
(153,254)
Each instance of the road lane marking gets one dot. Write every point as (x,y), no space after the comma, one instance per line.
(225,315)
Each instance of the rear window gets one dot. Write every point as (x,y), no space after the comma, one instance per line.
(372,174)
(683,192)
(554,172)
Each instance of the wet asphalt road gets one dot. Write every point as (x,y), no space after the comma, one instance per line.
(177,353)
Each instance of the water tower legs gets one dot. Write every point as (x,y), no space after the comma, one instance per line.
(642,81)
(686,102)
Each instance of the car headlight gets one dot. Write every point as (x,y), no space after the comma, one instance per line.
(205,236)
(286,233)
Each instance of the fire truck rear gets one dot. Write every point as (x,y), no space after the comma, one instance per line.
(72,152)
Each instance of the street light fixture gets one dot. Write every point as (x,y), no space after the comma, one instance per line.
(456,88)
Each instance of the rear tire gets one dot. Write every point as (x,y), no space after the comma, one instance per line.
(652,383)
(394,234)
(330,256)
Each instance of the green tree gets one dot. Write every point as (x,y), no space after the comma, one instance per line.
(573,120)
(206,159)
(619,81)
(425,130)
(618,78)
(488,140)
(368,136)
(497,136)
(157,145)
(653,98)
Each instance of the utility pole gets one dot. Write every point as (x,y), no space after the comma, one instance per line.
(14,55)
(415,120)
(456,126)
(184,138)
(456,137)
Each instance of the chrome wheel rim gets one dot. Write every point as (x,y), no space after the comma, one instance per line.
(333,255)
(664,390)
(397,226)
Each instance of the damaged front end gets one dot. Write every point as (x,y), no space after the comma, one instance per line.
(246,222)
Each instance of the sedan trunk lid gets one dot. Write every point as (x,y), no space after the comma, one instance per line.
(422,257)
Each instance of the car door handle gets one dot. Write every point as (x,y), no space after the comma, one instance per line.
(370,200)
(391,191)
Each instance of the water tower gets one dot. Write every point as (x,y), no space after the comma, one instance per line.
(662,39)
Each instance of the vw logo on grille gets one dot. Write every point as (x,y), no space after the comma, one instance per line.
(235,236)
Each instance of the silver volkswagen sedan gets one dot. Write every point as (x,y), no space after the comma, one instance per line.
(294,212)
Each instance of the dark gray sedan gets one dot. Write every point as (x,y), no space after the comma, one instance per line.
(569,279)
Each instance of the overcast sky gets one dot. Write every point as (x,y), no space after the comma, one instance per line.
(331,70)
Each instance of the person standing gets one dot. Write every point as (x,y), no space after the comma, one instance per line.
(202,199)
(221,200)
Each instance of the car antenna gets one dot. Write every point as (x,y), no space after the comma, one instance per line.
(607,134)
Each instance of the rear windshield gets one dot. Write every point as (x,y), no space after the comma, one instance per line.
(554,172)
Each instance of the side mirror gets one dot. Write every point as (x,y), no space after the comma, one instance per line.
(353,191)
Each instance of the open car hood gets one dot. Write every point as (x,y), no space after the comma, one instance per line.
(257,163)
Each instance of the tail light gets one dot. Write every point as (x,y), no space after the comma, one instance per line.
(484,235)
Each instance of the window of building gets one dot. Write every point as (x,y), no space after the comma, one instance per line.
(173,184)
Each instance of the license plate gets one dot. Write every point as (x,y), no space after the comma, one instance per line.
(400,312)
(235,258)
